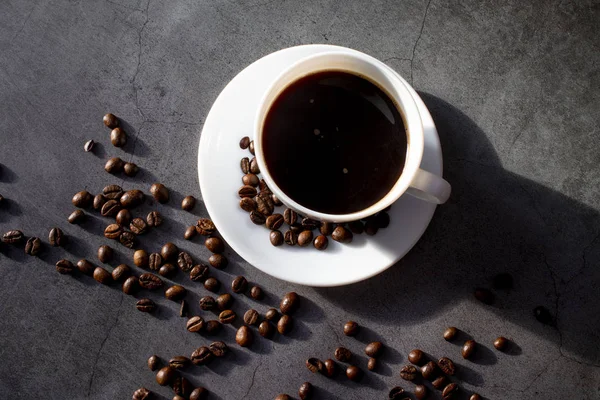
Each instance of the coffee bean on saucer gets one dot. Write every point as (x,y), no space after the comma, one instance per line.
(110,208)
(175,293)
(272,314)
(169,251)
(123,217)
(250,180)
(121,272)
(484,295)
(131,285)
(254,166)
(447,366)
(188,203)
(195,324)
(321,242)
(356,227)
(450,333)
(99,201)
(189,233)
(153,363)
(185,262)
(103,276)
(371,227)
(224,301)
(113,192)
(374,349)
(140,258)
(450,391)
(114,165)
(353,373)
(244,143)
(127,239)
(289,303)
(105,253)
(247,191)
(314,365)
(142,394)
(468,349)
(165,376)
(343,354)
(396,393)
(208,303)
(475,396)
(245,165)
(326,228)
(329,369)
(429,370)
(205,227)
(138,226)
(274,221)
(214,244)
(306,391)
(285,324)
(247,204)
(33,246)
(310,224)
(56,237)
(132,198)
(218,349)
(226,316)
(420,392)
(305,238)
(202,356)
(342,235)
(88,146)
(409,373)
(145,305)
(372,364)
(290,238)
(244,336)
(219,261)
(382,220)
(199,393)
(239,284)
(276,238)
(154,218)
(110,120)
(118,137)
(82,199)
(257,218)
(416,356)
(500,343)
(251,147)
(290,216)
(131,169)
(150,281)
(440,382)
(264,204)
(542,314)
(179,362)
(256,293)
(76,217)
(251,317)
(199,273)
(212,285)
(65,267)
(266,329)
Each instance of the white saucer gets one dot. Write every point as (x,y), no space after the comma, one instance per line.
(219,154)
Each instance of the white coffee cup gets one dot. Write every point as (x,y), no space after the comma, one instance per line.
(413,180)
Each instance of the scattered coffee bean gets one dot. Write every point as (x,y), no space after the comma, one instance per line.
(409,373)
(99,201)
(205,227)
(218,261)
(244,336)
(103,276)
(110,208)
(251,147)
(175,293)
(56,237)
(254,166)
(131,285)
(227,316)
(289,303)
(153,363)
(159,192)
(266,329)
(127,239)
(140,257)
(314,365)
(199,393)
(440,382)
(131,169)
(247,204)
(290,238)
(374,349)
(264,204)
(82,199)
(396,393)
(224,301)
(468,349)
(215,244)
(290,216)
(105,253)
(123,217)
(475,396)
(250,180)
(285,324)
(182,387)
(256,293)
(118,137)
(276,238)
(353,373)
(88,146)
(306,391)
(120,272)
(145,305)
(450,391)
(212,327)
(142,394)
(356,227)
(372,364)
(272,314)
(110,120)
(447,366)
(500,343)
(132,198)
(247,191)
(245,165)
(195,324)
(189,233)
(329,369)
(165,376)
(185,262)
(251,317)
(371,227)
(305,238)
(201,356)
(321,242)
(239,285)
(138,226)
(208,303)
(283,396)
(276,200)
(416,357)
(33,246)
(154,219)
(154,261)
(183,309)
(218,349)
(450,333)
(114,165)
(342,235)
(420,392)
(169,251)
(65,267)
(113,192)
(326,228)
(13,237)
(542,314)
(244,143)
(274,221)
(257,218)
(150,281)
(342,354)
(484,295)
(429,370)
(199,273)
(76,217)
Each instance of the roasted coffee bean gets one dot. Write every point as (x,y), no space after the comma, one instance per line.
(205,227)
(468,349)
(82,199)
(371,227)
(150,281)
(182,387)
(153,363)
(374,349)
(199,393)
(105,253)
(329,369)
(99,201)
(351,328)
(264,205)
(215,244)
(416,357)
(250,180)
(409,373)
(353,373)
(199,273)
(290,216)
(65,267)
(159,192)
(127,239)
(247,191)
(382,220)
(274,221)
(429,370)
(450,391)
(289,303)
(169,251)
(110,208)
(165,376)
(500,343)
(254,166)
(224,301)
(131,285)
(132,198)
(201,356)
(118,137)
(189,233)
(182,309)
(251,317)
(420,392)
(145,305)
(247,204)
(141,258)
(256,293)
(251,147)
(447,366)
(321,242)
(212,327)
(245,165)
(33,246)
(218,349)
(138,226)
(227,316)
(123,217)
(208,303)
(372,364)
(450,333)
(154,261)
(185,262)
(503,281)
(342,235)
(56,237)
(13,237)
(244,336)
(154,219)
(305,238)
(175,293)
(314,365)
(195,324)
(326,228)
(131,169)
(396,393)
(110,120)
(285,324)
(283,396)
(188,203)
(266,329)
(276,200)
(167,270)
(484,295)
(76,217)
(179,362)
(103,276)
(264,189)
(218,261)
(239,285)
(306,391)
(475,396)
(114,165)
(343,354)
(440,382)
(88,146)
(356,227)
(310,224)
(290,238)
(276,238)
(142,394)
(272,314)
(244,143)
(257,218)
(542,314)
(120,272)
(296,228)
(113,192)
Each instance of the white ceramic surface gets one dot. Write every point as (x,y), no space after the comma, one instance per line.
(220,178)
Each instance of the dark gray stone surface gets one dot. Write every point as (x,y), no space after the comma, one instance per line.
(513,87)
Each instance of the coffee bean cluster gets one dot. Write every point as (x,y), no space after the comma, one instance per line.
(287,227)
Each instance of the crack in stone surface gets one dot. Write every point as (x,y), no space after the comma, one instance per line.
(260,361)
(412,57)
(139,60)
(24,23)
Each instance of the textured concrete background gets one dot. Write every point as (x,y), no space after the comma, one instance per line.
(513,87)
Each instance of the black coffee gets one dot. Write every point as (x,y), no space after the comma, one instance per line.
(334,142)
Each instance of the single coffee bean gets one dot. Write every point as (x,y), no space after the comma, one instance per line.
(274,221)
(372,364)
(189,233)
(167,270)
(256,293)
(254,166)
(159,192)
(239,285)
(285,324)
(141,258)
(120,272)
(188,203)
(374,349)
(13,237)
(218,349)
(244,336)
(56,237)
(131,169)
(290,238)
(447,366)
(266,329)
(272,314)
(132,198)
(215,244)
(153,363)
(475,396)
(343,354)
(353,373)
(65,267)
(118,137)
(224,301)
(314,365)
(371,227)
(283,396)
(145,305)
(310,224)
(175,293)
(110,208)
(264,204)
(169,251)
(154,219)
(123,217)
(289,303)
(440,382)
(113,192)
(138,226)
(257,218)
(450,391)
(227,316)
(212,327)
(416,356)
(250,180)
(306,391)
(114,165)
(247,191)
(251,317)
(199,393)
(165,376)
(185,262)
(154,261)
(195,324)
(305,238)
(201,356)
(396,393)
(219,261)
(326,228)
(429,370)
(88,146)
(251,147)
(356,227)
(420,392)
(244,143)
(245,165)
(450,333)
(179,362)
(182,387)
(110,120)
(33,246)
(342,235)
(183,309)
(142,394)
(263,187)
(503,281)
(542,314)
(150,281)
(382,220)
(276,238)
(409,373)
(500,343)
(103,276)
(82,199)
(105,253)
(199,273)
(290,216)
(205,227)
(127,239)
(484,295)
(329,368)
(208,303)
(76,217)
(247,204)
(468,349)
(131,285)
(99,201)
(321,242)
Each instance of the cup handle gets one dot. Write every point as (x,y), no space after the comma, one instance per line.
(429,187)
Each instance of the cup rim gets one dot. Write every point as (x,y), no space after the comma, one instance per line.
(412,117)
